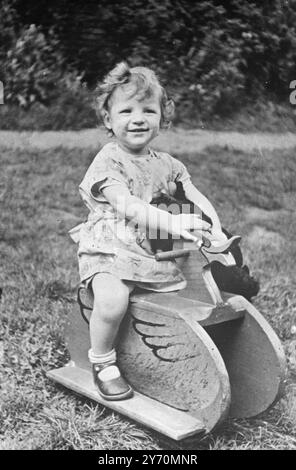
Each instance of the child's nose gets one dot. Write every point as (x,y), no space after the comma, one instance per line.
(138,117)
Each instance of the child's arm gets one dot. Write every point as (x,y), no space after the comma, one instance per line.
(144,214)
(195,196)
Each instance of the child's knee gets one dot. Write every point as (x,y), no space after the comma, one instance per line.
(111,296)
(110,300)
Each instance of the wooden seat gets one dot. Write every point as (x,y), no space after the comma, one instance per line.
(202,312)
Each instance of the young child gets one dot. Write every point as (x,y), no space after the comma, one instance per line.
(114,254)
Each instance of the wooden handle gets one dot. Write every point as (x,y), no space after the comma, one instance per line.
(168,255)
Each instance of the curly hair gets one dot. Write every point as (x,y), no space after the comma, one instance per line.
(143,83)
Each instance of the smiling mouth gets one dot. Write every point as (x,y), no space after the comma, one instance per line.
(138,130)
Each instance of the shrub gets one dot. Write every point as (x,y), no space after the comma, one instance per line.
(36,71)
(41,91)
(216,56)
(65,113)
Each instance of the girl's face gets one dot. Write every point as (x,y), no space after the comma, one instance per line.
(134,122)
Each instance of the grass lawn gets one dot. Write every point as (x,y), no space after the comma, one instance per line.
(255,195)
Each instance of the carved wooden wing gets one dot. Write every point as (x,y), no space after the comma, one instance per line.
(168,336)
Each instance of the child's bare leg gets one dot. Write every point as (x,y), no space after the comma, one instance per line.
(111,297)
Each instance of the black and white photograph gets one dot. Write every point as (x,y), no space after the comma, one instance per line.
(147,228)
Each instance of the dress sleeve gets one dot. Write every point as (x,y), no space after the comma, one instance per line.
(106,170)
(179,172)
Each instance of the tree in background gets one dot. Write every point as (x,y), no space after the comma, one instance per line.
(215,55)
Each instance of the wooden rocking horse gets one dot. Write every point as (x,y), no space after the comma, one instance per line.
(194,357)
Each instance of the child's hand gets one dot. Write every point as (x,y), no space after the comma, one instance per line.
(184,222)
(172,188)
(217,237)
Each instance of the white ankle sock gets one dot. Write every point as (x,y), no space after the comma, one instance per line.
(101,358)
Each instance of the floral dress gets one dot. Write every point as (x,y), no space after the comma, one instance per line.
(109,243)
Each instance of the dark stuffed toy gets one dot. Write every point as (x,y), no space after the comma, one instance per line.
(233,279)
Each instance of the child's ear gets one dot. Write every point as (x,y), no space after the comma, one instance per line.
(106,119)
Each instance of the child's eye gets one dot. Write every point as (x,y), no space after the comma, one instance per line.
(125,111)
(150,111)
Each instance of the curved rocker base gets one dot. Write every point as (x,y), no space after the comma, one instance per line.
(162,418)
(254,359)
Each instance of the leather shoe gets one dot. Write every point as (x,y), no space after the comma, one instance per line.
(111,385)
